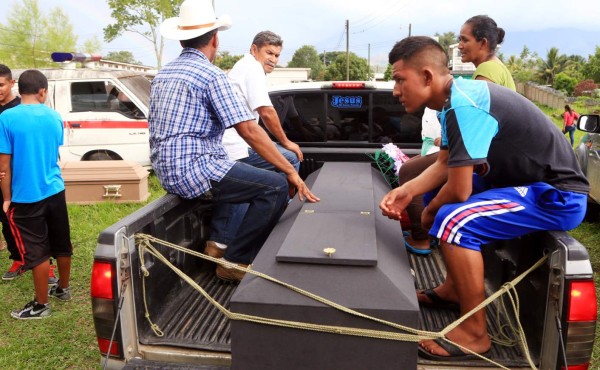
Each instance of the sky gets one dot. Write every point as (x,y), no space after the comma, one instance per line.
(374,25)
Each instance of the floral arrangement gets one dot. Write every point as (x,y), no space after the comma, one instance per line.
(389,160)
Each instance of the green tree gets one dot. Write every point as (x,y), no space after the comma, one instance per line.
(307,57)
(591,69)
(225,61)
(574,67)
(142,17)
(329,56)
(122,56)
(552,65)
(446,39)
(93,45)
(387,75)
(359,70)
(29,37)
(565,83)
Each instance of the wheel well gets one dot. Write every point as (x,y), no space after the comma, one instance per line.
(97,155)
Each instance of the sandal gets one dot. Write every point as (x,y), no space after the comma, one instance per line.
(437,301)
(454,352)
(422,252)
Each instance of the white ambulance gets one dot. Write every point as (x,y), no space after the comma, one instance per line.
(105,113)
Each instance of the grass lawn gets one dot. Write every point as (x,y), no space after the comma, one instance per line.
(67,339)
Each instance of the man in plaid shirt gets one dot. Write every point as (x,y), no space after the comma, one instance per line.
(191,105)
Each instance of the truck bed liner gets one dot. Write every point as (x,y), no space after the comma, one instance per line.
(195,323)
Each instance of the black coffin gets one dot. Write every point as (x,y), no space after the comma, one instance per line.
(382,286)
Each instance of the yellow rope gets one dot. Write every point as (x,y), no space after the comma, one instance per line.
(144,243)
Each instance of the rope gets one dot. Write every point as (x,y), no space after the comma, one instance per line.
(144,244)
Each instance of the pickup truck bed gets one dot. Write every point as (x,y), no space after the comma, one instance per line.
(196,334)
(192,322)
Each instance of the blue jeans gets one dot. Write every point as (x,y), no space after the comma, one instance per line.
(571,130)
(226,220)
(264,192)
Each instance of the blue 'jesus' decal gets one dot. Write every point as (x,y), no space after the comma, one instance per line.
(346,101)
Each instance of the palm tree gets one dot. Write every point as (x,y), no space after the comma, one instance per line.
(553,65)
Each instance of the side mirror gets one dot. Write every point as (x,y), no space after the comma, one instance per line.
(589,123)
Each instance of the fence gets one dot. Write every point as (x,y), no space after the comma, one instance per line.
(552,98)
(542,95)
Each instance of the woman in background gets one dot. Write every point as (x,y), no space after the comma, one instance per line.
(570,118)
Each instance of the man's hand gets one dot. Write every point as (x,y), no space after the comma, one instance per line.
(6,206)
(395,202)
(303,191)
(293,147)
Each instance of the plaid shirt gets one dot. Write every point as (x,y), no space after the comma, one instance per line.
(191,105)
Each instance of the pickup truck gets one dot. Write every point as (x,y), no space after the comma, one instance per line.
(147,317)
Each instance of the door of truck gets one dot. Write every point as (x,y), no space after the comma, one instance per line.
(593,167)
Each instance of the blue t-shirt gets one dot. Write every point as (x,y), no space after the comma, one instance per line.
(32,133)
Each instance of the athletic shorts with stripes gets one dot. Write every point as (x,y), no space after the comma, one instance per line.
(507,213)
(41,229)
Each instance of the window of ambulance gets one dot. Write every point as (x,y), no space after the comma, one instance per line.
(103,96)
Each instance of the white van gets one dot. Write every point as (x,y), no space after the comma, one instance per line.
(105,113)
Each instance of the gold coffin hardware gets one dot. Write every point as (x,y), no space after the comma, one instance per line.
(112,191)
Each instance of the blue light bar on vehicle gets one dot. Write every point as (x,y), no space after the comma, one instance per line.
(61,57)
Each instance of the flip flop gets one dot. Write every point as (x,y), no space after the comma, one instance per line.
(422,252)
(437,301)
(455,353)
(432,243)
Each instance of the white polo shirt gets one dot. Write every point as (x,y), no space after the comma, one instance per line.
(250,81)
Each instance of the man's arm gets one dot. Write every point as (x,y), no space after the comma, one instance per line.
(6,181)
(433,177)
(269,116)
(258,139)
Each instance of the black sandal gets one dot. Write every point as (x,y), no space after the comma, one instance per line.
(437,301)
(454,352)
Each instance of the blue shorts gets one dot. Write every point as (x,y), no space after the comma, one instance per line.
(507,213)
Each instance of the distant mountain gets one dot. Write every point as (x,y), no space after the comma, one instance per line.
(569,41)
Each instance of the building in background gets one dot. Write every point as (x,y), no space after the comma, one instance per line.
(282,75)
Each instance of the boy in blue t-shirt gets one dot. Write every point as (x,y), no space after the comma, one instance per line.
(34,191)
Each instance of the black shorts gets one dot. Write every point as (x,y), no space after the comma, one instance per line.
(41,229)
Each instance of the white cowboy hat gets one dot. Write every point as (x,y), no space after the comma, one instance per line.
(196,17)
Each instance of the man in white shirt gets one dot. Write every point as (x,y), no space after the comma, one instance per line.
(249,79)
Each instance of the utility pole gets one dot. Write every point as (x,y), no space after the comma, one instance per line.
(369,62)
(409,29)
(347,50)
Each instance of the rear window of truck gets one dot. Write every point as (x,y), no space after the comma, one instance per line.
(361,116)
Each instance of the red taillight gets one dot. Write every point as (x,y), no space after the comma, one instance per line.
(582,302)
(102,285)
(103,345)
(348,85)
(577,367)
